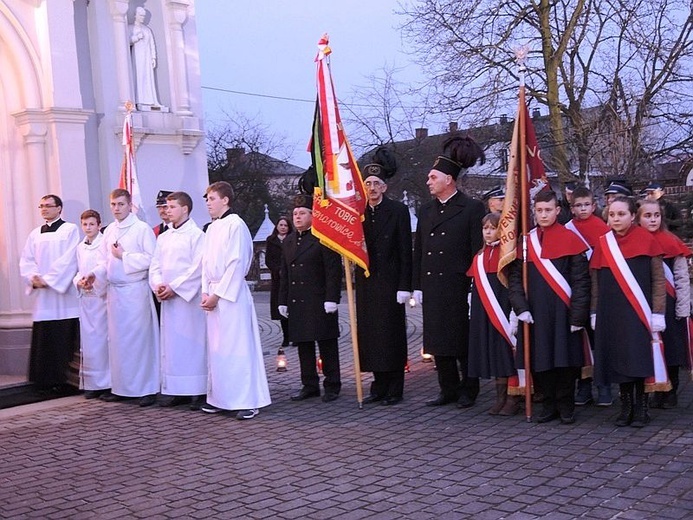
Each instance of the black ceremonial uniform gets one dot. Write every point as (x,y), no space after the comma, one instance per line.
(311,274)
(447,237)
(382,322)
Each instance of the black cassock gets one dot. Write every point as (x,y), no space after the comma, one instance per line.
(381,321)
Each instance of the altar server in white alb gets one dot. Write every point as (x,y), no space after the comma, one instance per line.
(94,372)
(133,336)
(47,265)
(237,378)
(175,277)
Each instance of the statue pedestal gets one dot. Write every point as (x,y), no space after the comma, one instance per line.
(151,108)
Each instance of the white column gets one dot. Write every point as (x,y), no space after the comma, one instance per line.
(121,36)
(178,71)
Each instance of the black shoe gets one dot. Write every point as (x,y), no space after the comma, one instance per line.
(547,417)
(147,400)
(110,397)
(197,401)
(390,401)
(441,400)
(568,419)
(167,401)
(305,394)
(465,401)
(373,399)
(329,397)
(93,394)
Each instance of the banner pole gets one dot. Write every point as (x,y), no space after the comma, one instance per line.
(354,335)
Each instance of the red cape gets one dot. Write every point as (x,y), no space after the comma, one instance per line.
(491,256)
(591,228)
(673,246)
(636,242)
(559,242)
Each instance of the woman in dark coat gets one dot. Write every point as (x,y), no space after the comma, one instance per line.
(273,259)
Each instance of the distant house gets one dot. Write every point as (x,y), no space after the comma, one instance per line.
(416,156)
(259,179)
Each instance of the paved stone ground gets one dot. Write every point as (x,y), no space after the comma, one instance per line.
(78,459)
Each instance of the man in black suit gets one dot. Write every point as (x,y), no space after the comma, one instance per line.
(309,291)
(448,235)
(380,298)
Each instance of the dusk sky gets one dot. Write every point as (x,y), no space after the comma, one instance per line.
(267,48)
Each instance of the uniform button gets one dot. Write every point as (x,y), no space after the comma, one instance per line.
(293,283)
(443,233)
(293,301)
(429,253)
(442,210)
(293,265)
(440,252)
(428,273)
(433,234)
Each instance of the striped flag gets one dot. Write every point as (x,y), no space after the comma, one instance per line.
(339,201)
(517,204)
(128,171)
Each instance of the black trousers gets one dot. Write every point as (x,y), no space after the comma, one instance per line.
(329,352)
(449,380)
(557,385)
(53,345)
(388,384)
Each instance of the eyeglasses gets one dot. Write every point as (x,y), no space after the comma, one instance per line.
(47,206)
(582,205)
(373,183)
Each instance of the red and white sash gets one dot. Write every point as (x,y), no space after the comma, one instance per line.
(633,293)
(491,305)
(548,271)
(572,227)
(562,288)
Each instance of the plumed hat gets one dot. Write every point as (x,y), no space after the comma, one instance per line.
(458,152)
(383,165)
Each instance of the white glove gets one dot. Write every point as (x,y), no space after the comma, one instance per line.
(418,297)
(284,311)
(658,323)
(526,317)
(403,296)
(593,321)
(330,307)
(573,328)
(513,323)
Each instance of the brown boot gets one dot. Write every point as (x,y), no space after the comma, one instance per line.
(512,406)
(501,395)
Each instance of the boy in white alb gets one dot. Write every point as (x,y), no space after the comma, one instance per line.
(175,277)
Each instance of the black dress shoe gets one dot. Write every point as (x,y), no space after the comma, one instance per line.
(567,419)
(441,400)
(329,397)
(147,400)
(465,401)
(197,401)
(305,394)
(93,394)
(373,399)
(547,417)
(389,401)
(110,398)
(168,401)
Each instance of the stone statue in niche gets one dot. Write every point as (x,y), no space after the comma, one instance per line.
(144,62)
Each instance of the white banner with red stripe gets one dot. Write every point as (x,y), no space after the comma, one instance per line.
(548,271)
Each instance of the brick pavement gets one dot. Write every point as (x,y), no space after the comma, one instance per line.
(78,459)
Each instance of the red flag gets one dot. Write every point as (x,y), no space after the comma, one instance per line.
(340,200)
(516,204)
(128,172)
